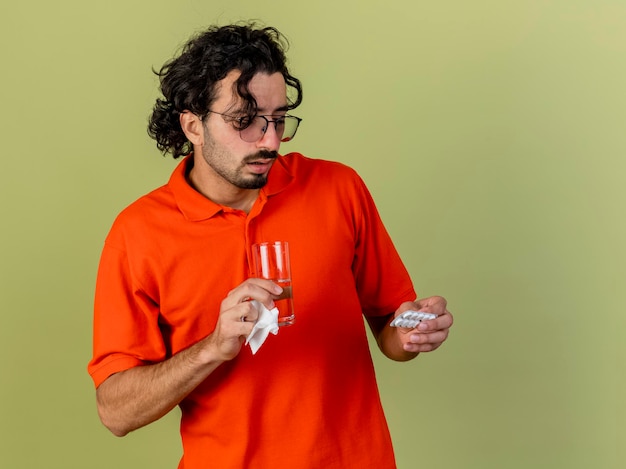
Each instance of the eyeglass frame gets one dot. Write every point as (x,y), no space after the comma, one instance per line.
(275,122)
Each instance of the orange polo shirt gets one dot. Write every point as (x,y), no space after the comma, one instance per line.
(308,398)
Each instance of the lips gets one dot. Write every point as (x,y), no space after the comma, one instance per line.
(260,162)
(260,166)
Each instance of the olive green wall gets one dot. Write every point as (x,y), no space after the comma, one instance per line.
(491,134)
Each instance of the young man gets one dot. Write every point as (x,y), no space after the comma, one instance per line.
(172,310)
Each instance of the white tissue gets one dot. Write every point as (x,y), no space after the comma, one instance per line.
(266,323)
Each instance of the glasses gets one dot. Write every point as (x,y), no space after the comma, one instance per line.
(252,128)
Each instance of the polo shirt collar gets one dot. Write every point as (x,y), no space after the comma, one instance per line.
(279,178)
(196,207)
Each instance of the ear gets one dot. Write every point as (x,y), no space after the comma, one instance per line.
(193,128)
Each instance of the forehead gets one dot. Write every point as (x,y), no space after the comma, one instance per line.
(269,91)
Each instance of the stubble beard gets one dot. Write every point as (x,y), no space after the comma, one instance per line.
(217,159)
(257,180)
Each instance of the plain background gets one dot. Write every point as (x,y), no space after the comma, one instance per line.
(491,134)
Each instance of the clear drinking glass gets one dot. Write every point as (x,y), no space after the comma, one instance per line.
(271,261)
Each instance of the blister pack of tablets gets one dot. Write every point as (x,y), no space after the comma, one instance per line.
(411,319)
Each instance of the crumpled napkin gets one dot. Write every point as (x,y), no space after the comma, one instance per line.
(266,323)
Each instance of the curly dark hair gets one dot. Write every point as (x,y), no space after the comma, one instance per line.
(188,81)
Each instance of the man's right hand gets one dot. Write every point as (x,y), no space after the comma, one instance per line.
(238,315)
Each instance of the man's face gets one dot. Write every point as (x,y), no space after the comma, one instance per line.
(244,165)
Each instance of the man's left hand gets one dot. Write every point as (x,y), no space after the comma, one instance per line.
(429,334)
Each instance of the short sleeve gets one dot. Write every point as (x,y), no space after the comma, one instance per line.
(126,320)
(381,278)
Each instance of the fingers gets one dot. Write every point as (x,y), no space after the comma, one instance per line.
(262,290)
(233,326)
(244,312)
(432,304)
(436,305)
(441,322)
(416,342)
(419,348)
(238,314)
(238,320)
(428,335)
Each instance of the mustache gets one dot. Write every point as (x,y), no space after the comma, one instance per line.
(261,155)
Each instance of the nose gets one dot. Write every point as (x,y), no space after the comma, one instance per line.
(270,140)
